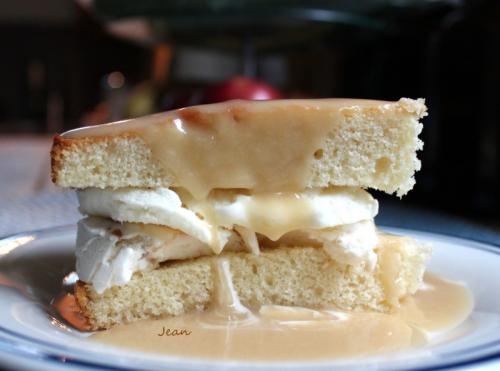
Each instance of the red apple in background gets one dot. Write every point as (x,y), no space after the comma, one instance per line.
(240,88)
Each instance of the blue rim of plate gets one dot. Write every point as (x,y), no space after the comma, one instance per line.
(11,347)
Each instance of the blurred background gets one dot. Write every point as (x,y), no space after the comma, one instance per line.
(66,64)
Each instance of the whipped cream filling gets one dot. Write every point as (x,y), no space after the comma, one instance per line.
(350,243)
(275,214)
(160,206)
(109,253)
(210,219)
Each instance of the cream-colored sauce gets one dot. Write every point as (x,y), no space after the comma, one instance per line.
(285,333)
(290,211)
(265,146)
(439,305)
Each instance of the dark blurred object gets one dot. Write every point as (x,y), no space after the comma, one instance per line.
(464,140)
(240,87)
(53,61)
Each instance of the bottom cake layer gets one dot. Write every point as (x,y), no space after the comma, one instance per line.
(296,276)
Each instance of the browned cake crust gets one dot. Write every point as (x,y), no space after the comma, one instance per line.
(82,300)
(59,145)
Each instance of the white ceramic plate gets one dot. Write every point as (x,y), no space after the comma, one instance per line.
(32,266)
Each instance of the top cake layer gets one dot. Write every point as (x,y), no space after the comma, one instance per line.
(262,146)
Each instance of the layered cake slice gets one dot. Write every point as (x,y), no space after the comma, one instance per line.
(274,188)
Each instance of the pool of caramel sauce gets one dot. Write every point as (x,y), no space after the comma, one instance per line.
(276,333)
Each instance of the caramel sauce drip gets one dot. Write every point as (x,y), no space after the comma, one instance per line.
(291,212)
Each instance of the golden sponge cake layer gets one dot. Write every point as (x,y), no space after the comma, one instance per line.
(368,144)
(297,276)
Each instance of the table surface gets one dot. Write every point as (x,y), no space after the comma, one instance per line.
(28,199)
